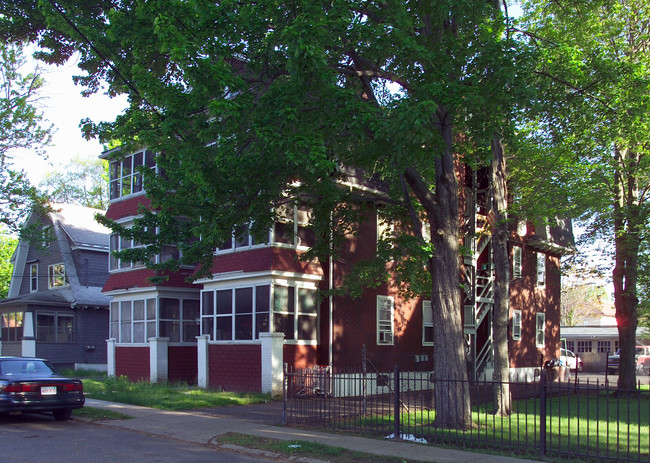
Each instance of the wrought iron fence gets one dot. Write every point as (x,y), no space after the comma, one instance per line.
(573,419)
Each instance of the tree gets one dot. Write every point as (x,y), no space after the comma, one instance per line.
(594,70)
(581,301)
(258,105)
(81,181)
(7,247)
(22,126)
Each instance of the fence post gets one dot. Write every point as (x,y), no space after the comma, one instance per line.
(364,392)
(396,421)
(542,412)
(284,394)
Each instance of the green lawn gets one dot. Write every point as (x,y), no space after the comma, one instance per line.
(598,424)
(165,396)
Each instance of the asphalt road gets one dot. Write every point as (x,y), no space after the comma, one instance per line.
(38,438)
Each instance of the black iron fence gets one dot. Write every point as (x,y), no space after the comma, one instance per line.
(555,418)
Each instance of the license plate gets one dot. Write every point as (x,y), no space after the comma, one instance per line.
(48,390)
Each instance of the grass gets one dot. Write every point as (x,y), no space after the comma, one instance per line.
(299,448)
(164,396)
(596,424)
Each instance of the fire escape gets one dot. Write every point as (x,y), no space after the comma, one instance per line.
(478,275)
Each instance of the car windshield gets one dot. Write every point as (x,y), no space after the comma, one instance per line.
(25,367)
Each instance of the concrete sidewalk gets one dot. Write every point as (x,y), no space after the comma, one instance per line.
(205,429)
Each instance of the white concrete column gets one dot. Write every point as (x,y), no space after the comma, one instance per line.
(272,358)
(29,340)
(158,359)
(110,356)
(203,373)
(28,348)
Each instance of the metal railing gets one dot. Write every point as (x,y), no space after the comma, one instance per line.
(549,418)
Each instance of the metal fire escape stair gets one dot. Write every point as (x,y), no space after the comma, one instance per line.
(478,281)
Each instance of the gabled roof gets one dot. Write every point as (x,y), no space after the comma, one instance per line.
(80,225)
(74,227)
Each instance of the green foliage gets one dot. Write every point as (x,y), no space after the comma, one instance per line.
(254,104)
(7,247)
(81,181)
(22,126)
(589,135)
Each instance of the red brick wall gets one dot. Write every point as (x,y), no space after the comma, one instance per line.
(526,296)
(182,364)
(132,362)
(301,356)
(235,367)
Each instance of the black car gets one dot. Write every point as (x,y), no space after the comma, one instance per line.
(32,385)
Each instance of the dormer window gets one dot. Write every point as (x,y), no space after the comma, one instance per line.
(125,178)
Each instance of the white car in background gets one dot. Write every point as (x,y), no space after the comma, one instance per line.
(571,360)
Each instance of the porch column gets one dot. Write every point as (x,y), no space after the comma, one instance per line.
(110,356)
(203,373)
(29,340)
(272,358)
(158,359)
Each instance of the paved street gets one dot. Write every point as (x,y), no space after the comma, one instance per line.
(611,379)
(35,438)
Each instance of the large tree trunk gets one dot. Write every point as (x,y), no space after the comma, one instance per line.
(627,225)
(501,315)
(451,388)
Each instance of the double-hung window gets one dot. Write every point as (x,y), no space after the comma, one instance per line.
(33,278)
(516,325)
(516,261)
(56,276)
(385,320)
(427,324)
(540,325)
(541,269)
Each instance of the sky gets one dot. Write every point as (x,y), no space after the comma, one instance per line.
(62,104)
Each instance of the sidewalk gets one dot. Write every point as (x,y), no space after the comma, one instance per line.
(204,429)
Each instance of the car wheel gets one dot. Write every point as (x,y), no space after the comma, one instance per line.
(62,415)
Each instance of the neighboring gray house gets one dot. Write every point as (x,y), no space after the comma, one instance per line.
(55,307)
(592,343)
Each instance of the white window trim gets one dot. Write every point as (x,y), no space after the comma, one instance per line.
(133,176)
(427,321)
(540,316)
(517,253)
(118,321)
(51,277)
(33,277)
(385,334)
(516,325)
(541,270)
